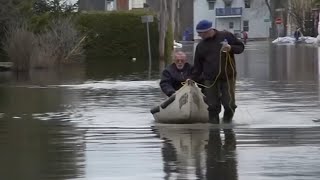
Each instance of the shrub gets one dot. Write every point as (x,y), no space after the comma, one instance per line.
(18,45)
(43,50)
(118,34)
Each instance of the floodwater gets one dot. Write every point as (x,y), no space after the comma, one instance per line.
(94,123)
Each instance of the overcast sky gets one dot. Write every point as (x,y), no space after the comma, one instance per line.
(73,1)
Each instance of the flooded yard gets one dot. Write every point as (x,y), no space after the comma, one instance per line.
(94,123)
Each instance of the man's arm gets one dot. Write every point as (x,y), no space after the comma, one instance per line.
(237,47)
(166,83)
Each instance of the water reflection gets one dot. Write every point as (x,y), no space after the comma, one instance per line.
(101,69)
(198,152)
(35,149)
(292,63)
(268,62)
(37,139)
(283,82)
(74,73)
(95,124)
(221,158)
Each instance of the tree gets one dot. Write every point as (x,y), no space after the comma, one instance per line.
(40,7)
(10,11)
(270,10)
(163,23)
(55,7)
(298,10)
(172,6)
(273,5)
(316,2)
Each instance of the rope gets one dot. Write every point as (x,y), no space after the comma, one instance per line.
(214,82)
(229,89)
(228,60)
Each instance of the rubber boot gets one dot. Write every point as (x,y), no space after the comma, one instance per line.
(213,118)
(227,116)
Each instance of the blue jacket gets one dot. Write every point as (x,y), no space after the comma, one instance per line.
(172,77)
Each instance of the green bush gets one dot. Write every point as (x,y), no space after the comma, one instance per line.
(39,23)
(118,34)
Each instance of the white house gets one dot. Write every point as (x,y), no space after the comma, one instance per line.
(136,4)
(110,5)
(234,16)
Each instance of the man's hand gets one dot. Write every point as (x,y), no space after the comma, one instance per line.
(225,47)
(189,81)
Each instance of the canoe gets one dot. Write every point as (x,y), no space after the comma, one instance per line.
(187,105)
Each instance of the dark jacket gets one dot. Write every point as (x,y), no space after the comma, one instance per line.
(207,57)
(172,77)
(297,34)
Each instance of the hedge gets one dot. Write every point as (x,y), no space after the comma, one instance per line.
(118,34)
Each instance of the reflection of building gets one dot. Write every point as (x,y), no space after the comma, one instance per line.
(110,5)
(196,152)
(235,16)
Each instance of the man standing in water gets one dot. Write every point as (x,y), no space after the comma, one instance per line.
(297,34)
(214,62)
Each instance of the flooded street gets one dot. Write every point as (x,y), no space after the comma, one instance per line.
(94,123)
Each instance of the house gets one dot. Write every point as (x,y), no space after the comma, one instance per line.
(234,16)
(110,5)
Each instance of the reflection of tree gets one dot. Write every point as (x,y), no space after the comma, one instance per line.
(96,68)
(22,100)
(197,152)
(292,63)
(30,92)
(34,149)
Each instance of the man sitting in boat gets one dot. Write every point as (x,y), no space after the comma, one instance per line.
(177,72)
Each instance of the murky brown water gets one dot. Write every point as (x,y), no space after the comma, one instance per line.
(94,124)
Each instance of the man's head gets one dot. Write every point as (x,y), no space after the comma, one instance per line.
(204,29)
(180,59)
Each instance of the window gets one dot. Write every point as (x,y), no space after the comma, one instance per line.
(246,26)
(211,4)
(109,5)
(247,3)
(230,25)
(227,3)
